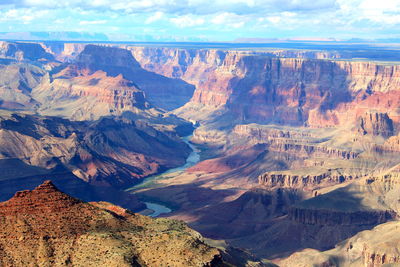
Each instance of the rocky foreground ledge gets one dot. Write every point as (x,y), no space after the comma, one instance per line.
(46,227)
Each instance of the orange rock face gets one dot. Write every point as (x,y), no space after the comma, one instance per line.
(260,88)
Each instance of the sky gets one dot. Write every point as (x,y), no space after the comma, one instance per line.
(206,20)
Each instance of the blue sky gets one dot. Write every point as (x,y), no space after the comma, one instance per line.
(213,20)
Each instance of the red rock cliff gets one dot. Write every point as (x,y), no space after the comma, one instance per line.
(258,87)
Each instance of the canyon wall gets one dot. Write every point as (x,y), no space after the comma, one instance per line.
(22,51)
(161,91)
(276,86)
(16,84)
(300,142)
(272,180)
(258,87)
(63,51)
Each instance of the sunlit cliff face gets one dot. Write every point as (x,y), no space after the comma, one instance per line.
(281,90)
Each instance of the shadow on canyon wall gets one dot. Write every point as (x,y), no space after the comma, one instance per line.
(285,90)
(163,92)
(271,223)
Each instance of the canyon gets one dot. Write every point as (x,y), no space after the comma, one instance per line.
(298,150)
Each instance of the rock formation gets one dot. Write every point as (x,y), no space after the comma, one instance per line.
(392,144)
(161,91)
(249,214)
(24,51)
(64,52)
(16,84)
(375,124)
(282,180)
(49,228)
(90,97)
(331,217)
(301,142)
(372,248)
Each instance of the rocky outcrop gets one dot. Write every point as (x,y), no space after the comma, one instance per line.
(364,202)
(264,133)
(309,54)
(49,228)
(371,248)
(302,142)
(275,179)
(100,81)
(332,217)
(84,91)
(392,144)
(302,259)
(248,214)
(112,60)
(373,258)
(375,124)
(307,149)
(44,199)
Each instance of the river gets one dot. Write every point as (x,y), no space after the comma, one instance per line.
(158,208)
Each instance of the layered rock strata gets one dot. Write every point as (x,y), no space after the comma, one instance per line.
(256,87)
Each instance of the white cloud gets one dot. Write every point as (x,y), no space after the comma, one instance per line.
(187,21)
(274,19)
(27,19)
(260,16)
(25,15)
(181,6)
(92,22)
(155,17)
(230,20)
(383,12)
(11,14)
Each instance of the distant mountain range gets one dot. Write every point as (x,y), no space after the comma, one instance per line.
(316,39)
